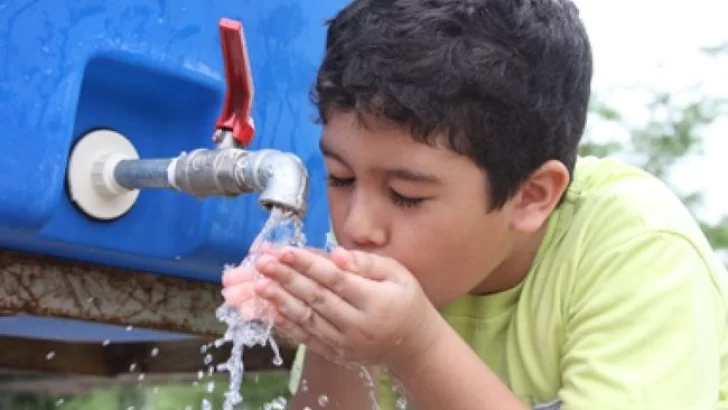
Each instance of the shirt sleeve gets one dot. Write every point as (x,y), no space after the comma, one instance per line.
(642,328)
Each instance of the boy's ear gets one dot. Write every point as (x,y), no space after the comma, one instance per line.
(538,196)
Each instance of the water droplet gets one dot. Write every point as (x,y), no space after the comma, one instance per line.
(277,359)
(50,355)
(178,258)
(46,49)
(140,377)
(304,385)
(59,402)
(210,387)
(323,400)
(91,300)
(279,403)
(200,375)
(154,352)
(106,342)
(129,328)
(401,402)
(160,20)
(132,367)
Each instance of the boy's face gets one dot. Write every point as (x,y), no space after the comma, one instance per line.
(424,206)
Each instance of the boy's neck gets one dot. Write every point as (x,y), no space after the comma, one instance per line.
(514,268)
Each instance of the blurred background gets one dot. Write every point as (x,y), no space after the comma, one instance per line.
(660,92)
(659,96)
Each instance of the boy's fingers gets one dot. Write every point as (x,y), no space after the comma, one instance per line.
(237,275)
(364,264)
(237,295)
(281,250)
(327,303)
(300,335)
(319,252)
(298,313)
(326,273)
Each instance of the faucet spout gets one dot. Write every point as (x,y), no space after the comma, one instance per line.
(280,178)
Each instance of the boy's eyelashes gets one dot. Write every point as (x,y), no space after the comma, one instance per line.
(395,197)
(340,182)
(404,201)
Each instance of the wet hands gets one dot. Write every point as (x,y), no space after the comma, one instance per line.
(238,292)
(349,305)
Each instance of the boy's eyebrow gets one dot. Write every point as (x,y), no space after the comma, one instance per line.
(397,173)
(327,152)
(412,175)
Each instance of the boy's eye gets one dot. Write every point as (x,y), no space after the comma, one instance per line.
(405,201)
(340,182)
(395,197)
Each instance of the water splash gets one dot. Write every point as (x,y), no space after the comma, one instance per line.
(283,228)
(401,401)
(279,403)
(369,384)
(304,385)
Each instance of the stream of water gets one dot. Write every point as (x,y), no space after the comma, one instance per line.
(282,228)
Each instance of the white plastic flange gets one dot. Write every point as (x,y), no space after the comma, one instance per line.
(91,182)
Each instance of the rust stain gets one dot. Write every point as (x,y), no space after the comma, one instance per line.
(45,286)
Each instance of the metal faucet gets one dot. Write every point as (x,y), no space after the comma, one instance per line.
(280,178)
(229,169)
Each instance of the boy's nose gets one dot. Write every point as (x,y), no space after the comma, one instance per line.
(364,227)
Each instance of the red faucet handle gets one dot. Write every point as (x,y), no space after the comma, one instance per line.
(236,111)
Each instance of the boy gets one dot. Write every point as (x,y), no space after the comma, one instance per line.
(480,262)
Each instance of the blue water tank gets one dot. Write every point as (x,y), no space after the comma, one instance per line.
(153,71)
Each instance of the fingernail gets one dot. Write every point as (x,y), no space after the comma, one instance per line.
(263,259)
(264,263)
(288,257)
(261,284)
(282,323)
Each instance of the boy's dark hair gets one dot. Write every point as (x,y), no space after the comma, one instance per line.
(508,81)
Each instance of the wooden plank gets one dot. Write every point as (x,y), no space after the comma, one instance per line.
(45,286)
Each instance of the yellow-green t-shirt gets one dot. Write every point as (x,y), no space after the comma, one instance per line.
(624,307)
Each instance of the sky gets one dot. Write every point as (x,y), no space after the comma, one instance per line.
(639,44)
